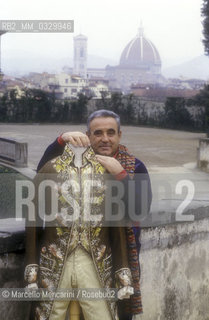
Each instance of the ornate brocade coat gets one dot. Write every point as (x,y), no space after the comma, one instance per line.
(49,243)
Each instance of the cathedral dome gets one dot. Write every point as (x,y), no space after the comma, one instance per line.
(140,52)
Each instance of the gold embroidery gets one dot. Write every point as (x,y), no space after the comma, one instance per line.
(79,232)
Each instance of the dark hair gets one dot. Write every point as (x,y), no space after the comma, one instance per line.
(105,114)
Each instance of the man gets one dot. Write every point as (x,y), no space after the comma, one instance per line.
(119,244)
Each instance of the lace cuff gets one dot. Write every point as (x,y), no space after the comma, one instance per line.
(31,272)
(125,292)
(123,278)
(32,286)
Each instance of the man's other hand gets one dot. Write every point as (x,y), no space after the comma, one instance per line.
(76,138)
(112,165)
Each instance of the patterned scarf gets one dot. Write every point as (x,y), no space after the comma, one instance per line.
(126,160)
(134,305)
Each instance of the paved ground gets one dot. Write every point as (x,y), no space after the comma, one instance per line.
(156,147)
(169,155)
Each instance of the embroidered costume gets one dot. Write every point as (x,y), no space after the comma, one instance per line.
(114,250)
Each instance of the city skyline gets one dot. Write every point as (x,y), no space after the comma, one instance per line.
(173,26)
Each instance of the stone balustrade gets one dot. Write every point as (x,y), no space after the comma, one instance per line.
(203,155)
(13,152)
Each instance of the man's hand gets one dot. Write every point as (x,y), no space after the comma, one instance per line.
(112,165)
(76,138)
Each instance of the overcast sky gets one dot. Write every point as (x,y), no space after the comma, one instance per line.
(174,26)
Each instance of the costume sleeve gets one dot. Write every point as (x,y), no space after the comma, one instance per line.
(32,234)
(121,270)
(34,228)
(54,150)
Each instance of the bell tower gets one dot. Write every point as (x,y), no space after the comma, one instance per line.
(80,56)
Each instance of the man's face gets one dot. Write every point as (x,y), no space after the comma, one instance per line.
(104,136)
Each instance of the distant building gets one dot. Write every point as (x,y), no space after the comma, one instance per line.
(39,80)
(10,83)
(96,72)
(185,83)
(66,86)
(160,93)
(80,55)
(99,87)
(139,63)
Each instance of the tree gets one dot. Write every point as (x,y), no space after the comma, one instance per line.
(31,105)
(128,112)
(202,99)
(79,108)
(3,108)
(205,14)
(11,106)
(176,114)
(116,102)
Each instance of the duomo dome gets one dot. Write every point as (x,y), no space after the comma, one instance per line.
(140,51)
(140,63)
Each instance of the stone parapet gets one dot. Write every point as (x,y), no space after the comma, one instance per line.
(14,152)
(203,155)
(174,271)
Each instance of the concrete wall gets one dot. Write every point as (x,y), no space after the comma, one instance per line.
(174,273)
(12,255)
(11,276)
(203,155)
